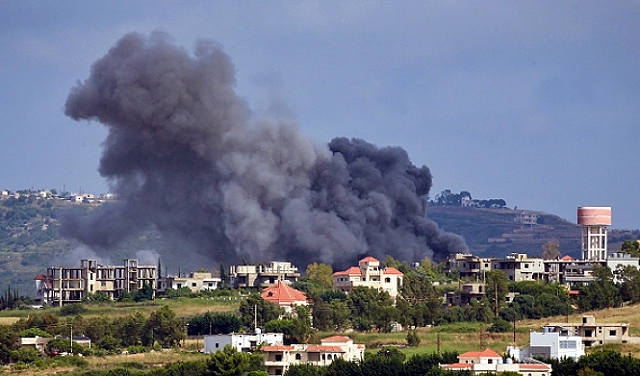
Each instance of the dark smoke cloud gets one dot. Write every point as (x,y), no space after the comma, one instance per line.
(185,155)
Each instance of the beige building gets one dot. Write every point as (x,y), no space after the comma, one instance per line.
(520,267)
(196,282)
(468,265)
(278,358)
(368,273)
(259,276)
(594,334)
(61,285)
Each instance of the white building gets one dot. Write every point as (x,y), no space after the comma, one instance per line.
(241,342)
(196,282)
(368,273)
(278,358)
(488,361)
(550,344)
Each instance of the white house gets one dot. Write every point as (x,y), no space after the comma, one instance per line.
(368,273)
(241,342)
(550,344)
(278,358)
(196,282)
(488,361)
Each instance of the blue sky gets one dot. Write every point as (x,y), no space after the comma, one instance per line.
(537,103)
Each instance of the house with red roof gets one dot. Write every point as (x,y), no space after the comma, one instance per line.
(369,273)
(283,295)
(278,358)
(489,361)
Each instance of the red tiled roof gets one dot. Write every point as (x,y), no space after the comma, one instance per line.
(276,348)
(283,294)
(369,259)
(526,366)
(486,353)
(390,270)
(40,277)
(567,258)
(455,366)
(321,348)
(354,270)
(336,339)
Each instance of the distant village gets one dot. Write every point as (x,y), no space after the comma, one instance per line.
(62,285)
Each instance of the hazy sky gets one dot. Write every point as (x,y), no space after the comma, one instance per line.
(537,103)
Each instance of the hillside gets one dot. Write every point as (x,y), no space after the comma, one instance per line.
(29,240)
(495,232)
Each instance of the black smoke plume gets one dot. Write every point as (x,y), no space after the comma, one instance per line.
(184,154)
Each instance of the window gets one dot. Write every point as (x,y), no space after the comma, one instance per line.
(278,357)
(298,357)
(568,345)
(490,361)
(613,333)
(193,284)
(387,280)
(217,345)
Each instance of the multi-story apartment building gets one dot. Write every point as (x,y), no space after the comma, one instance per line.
(593,333)
(517,266)
(196,282)
(520,267)
(468,266)
(278,358)
(368,273)
(259,276)
(62,284)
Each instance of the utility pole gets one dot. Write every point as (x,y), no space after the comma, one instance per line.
(255,317)
(71,338)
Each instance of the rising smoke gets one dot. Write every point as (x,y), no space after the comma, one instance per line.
(184,155)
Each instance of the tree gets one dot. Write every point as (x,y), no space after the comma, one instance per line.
(601,292)
(133,330)
(412,338)
(550,250)
(419,302)
(305,369)
(496,287)
(630,283)
(230,362)
(167,328)
(369,307)
(214,323)
(631,247)
(263,310)
(321,274)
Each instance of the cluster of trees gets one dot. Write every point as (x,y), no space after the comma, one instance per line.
(109,335)
(610,289)
(597,363)
(448,198)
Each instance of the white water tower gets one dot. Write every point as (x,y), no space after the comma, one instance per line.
(594,221)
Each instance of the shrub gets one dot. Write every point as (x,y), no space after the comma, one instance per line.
(72,309)
(500,326)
